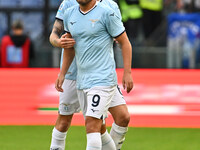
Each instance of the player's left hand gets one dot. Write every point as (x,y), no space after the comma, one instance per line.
(66,41)
(127,82)
(59,83)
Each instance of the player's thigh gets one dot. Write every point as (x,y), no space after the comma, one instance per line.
(118,109)
(119,112)
(93,124)
(68,102)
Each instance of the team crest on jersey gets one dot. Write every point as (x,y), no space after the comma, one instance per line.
(94,21)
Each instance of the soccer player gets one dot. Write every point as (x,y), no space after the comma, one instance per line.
(93,26)
(68,99)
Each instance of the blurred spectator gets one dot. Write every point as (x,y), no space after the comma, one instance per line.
(186,6)
(190,5)
(131,16)
(16,49)
(184,35)
(152,15)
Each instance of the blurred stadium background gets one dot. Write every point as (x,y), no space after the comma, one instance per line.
(166,96)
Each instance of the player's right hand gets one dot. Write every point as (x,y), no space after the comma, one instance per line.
(67,42)
(59,83)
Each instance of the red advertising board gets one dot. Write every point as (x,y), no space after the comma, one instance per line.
(161,97)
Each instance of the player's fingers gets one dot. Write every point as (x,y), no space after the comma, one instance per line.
(66,38)
(128,89)
(64,35)
(132,85)
(59,89)
(67,43)
(129,86)
(116,41)
(124,84)
(56,85)
(60,85)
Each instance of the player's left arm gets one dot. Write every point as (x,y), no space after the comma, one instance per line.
(116,29)
(126,47)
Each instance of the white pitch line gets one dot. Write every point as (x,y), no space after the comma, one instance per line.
(147,110)
(155,109)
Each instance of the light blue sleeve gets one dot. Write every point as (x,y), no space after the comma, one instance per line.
(114,24)
(60,12)
(65,21)
(115,7)
(63,6)
(117,10)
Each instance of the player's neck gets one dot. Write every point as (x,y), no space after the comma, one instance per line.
(88,6)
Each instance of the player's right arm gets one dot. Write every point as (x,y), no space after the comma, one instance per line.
(58,28)
(56,32)
(68,57)
(56,40)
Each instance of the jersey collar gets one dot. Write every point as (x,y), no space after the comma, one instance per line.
(84,13)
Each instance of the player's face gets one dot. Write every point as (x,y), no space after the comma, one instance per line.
(83,2)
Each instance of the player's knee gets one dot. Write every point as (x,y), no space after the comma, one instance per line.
(124,120)
(93,125)
(62,126)
(63,123)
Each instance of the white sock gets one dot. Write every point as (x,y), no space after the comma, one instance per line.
(118,135)
(94,141)
(58,140)
(107,142)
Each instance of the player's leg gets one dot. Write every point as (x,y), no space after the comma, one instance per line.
(120,126)
(95,106)
(59,132)
(119,111)
(107,141)
(68,105)
(93,128)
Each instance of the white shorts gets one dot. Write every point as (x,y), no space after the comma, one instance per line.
(95,101)
(68,103)
(118,98)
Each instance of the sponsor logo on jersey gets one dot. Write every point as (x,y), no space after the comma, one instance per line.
(113,14)
(94,110)
(72,23)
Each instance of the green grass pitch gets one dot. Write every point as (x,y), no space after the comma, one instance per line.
(38,138)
